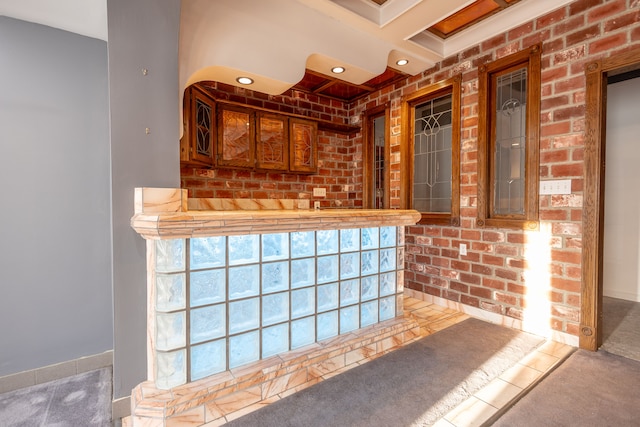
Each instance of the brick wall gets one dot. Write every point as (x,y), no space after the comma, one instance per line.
(505,271)
(510,271)
(336,152)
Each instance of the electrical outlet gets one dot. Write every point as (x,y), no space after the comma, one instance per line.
(316,205)
(463,249)
(319,192)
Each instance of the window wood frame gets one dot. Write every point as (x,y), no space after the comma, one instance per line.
(531,58)
(368,155)
(409,102)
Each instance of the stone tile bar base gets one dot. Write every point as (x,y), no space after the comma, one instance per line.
(217,399)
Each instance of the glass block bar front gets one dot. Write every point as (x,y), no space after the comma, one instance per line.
(222,302)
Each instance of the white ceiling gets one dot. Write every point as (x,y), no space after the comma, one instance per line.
(274,41)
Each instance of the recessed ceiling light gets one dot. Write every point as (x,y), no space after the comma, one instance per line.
(337,70)
(402,62)
(244,80)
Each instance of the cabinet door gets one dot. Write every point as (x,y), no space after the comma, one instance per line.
(303,146)
(236,137)
(272,150)
(198,142)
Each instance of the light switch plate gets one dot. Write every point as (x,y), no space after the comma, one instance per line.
(319,192)
(556,186)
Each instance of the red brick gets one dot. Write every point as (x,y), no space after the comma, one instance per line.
(554,102)
(555,129)
(493,260)
(570,84)
(551,18)
(582,5)
(606,10)
(467,300)
(481,269)
(555,156)
(553,215)
(506,298)
(493,236)
(471,279)
(520,31)
(583,35)
(493,42)
(622,21)
(566,256)
(480,292)
(567,170)
(607,43)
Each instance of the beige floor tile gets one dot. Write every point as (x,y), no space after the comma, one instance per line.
(539,361)
(498,393)
(443,423)
(556,349)
(470,413)
(520,375)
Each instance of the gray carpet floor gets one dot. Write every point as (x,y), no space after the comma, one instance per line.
(621,327)
(412,386)
(590,389)
(80,400)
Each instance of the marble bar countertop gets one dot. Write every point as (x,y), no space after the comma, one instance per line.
(164,214)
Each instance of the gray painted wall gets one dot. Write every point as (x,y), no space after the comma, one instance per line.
(55,248)
(143,34)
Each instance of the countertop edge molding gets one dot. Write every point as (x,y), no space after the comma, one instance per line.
(162,213)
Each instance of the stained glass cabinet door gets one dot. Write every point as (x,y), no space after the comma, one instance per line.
(271,142)
(198,142)
(303,145)
(236,137)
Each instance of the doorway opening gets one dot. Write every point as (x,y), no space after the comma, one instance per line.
(599,256)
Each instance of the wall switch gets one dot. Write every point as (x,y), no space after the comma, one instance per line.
(319,192)
(463,249)
(556,186)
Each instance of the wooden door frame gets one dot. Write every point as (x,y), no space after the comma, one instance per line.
(368,154)
(590,334)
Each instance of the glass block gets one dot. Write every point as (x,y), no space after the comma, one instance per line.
(349,319)
(170,255)
(303,302)
(275,276)
(303,272)
(388,259)
(387,283)
(327,297)
(327,325)
(327,241)
(350,240)
(400,281)
(207,287)
(327,269)
(244,315)
(171,331)
(387,308)
(303,332)
(368,313)
(170,292)
(369,287)
(370,238)
(244,281)
(349,265)
(303,244)
(171,369)
(275,308)
(275,246)
(387,237)
(208,323)
(244,349)
(244,249)
(275,339)
(207,252)
(208,359)
(400,234)
(349,292)
(369,262)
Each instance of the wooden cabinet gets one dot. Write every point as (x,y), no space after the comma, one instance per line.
(197,145)
(272,142)
(303,145)
(236,137)
(219,134)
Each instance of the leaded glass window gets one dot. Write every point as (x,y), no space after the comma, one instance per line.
(432,155)
(510,143)
(431,175)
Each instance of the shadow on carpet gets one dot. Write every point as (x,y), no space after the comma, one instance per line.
(411,386)
(80,400)
(588,389)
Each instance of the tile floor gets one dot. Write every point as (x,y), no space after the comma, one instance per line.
(490,402)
